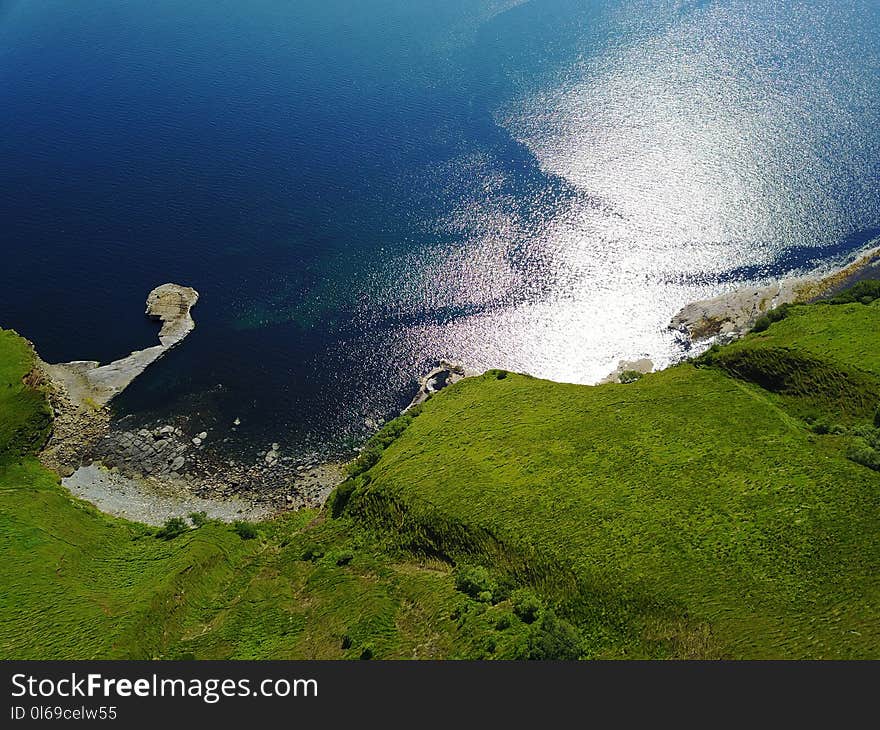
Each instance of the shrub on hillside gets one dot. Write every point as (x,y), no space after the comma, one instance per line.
(630,376)
(199,519)
(173,527)
(877,417)
(554,638)
(476,582)
(312,553)
(774,315)
(866,456)
(340,496)
(245,530)
(870,434)
(526,605)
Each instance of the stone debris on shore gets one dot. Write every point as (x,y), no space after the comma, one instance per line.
(734,313)
(642,365)
(79,391)
(153,502)
(166,453)
(445,374)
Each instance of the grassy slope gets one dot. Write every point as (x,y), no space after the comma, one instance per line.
(80,584)
(688,514)
(690,505)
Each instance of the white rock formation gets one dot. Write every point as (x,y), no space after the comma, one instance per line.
(90,384)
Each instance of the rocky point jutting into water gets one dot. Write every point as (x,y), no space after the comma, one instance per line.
(733,313)
(80,390)
(150,473)
(445,374)
(88,383)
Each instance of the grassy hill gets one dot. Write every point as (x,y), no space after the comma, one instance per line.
(727,507)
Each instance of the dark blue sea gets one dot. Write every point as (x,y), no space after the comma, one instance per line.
(358,189)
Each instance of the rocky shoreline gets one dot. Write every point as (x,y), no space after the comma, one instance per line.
(79,391)
(731,315)
(150,472)
(89,384)
(189,458)
(445,374)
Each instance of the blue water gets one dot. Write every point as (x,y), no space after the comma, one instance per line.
(359,189)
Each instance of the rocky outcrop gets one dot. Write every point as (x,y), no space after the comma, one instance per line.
(78,391)
(90,384)
(445,374)
(734,313)
(643,366)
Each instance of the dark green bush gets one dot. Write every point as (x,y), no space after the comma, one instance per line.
(340,496)
(779,313)
(630,376)
(877,417)
(774,315)
(312,552)
(245,530)
(866,456)
(504,622)
(526,605)
(199,519)
(344,557)
(554,638)
(870,434)
(863,292)
(476,582)
(173,527)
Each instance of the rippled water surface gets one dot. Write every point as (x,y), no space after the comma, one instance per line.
(360,189)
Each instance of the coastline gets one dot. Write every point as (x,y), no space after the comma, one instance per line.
(173,468)
(732,314)
(151,474)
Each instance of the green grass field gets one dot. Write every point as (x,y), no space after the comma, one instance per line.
(715,509)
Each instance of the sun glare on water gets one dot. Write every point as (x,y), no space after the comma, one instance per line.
(707,144)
